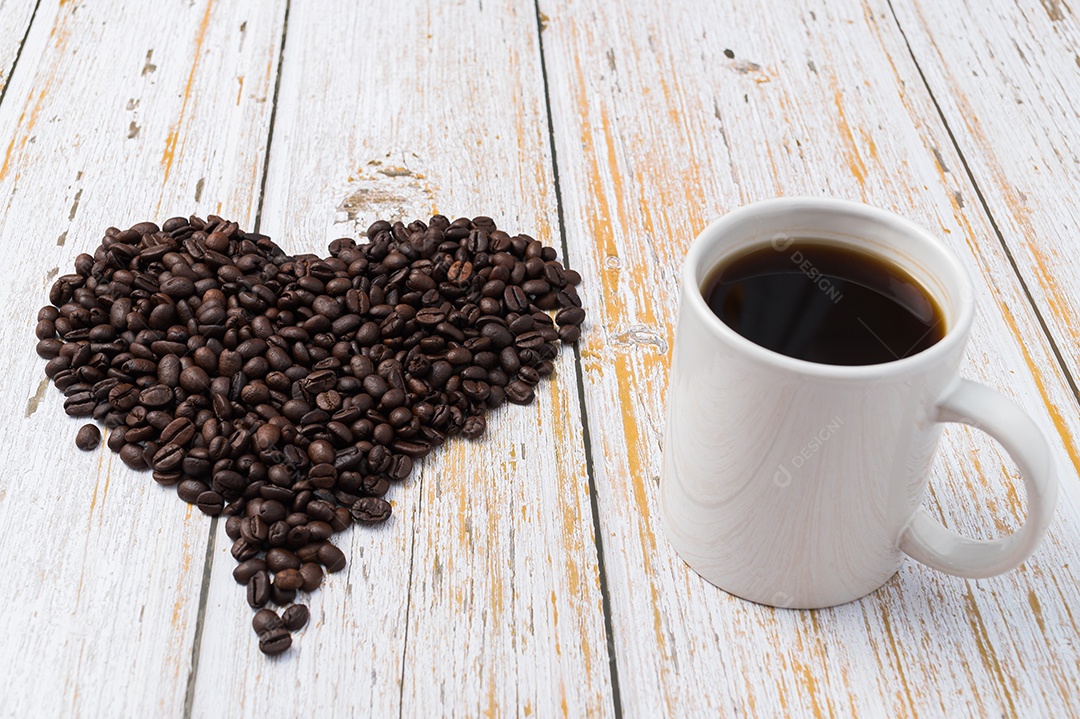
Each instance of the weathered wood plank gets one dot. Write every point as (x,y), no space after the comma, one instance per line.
(1007,79)
(658,130)
(102,125)
(15,16)
(481,595)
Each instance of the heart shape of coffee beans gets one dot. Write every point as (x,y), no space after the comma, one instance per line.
(290,393)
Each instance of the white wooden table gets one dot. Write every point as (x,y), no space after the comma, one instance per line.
(525,574)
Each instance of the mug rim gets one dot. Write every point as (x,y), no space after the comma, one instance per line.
(954,335)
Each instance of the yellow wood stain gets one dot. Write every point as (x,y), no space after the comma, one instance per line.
(1004,680)
(1036,610)
(1036,374)
(599,221)
(809,683)
(173,137)
(1053,294)
(898,660)
(851,150)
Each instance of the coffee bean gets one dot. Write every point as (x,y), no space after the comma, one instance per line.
(258,589)
(266,620)
(332,558)
(156,396)
(190,489)
(282,596)
(295,617)
(88,437)
(278,560)
(312,576)
(132,456)
(570,316)
(371,510)
(168,458)
(474,426)
(210,502)
(288,579)
(341,519)
(194,379)
(289,393)
(519,392)
(245,570)
(275,641)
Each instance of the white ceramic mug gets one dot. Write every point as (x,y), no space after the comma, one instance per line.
(799,484)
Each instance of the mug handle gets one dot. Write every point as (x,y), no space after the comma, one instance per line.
(927,541)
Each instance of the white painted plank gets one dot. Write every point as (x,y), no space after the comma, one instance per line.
(481,595)
(114,114)
(1007,79)
(15,18)
(659,131)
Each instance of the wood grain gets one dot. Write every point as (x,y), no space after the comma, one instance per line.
(658,130)
(1007,80)
(102,125)
(14,21)
(481,596)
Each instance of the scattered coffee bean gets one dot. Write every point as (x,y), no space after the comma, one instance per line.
(258,589)
(88,437)
(275,641)
(370,510)
(289,393)
(331,557)
(266,620)
(295,617)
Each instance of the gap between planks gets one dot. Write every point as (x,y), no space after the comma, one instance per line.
(18,54)
(986,209)
(579,378)
(211,544)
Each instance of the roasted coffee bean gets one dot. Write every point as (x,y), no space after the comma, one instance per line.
(570,316)
(258,589)
(280,559)
(275,641)
(132,456)
(371,510)
(244,571)
(341,519)
(168,458)
(312,575)
(210,502)
(266,620)
(88,437)
(254,529)
(244,549)
(332,558)
(295,617)
(289,393)
(519,392)
(190,489)
(474,426)
(156,396)
(278,534)
(320,531)
(117,439)
(309,552)
(288,579)
(282,596)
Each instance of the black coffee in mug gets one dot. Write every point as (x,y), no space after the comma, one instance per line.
(824,302)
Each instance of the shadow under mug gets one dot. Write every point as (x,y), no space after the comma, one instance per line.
(797,484)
